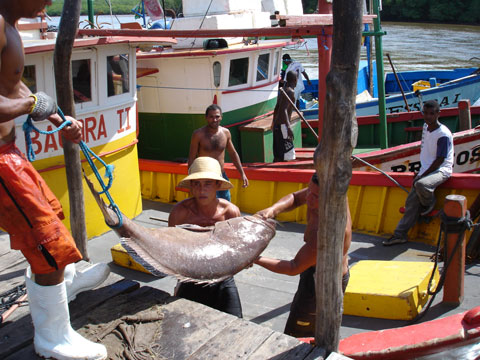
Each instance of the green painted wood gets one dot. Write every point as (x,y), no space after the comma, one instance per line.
(167,136)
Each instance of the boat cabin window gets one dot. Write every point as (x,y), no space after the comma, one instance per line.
(275,63)
(82,82)
(262,67)
(117,74)
(238,72)
(217,72)
(29,78)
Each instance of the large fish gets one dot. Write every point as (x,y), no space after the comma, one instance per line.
(192,253)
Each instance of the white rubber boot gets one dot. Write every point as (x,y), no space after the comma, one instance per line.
(79,281)
(54,337)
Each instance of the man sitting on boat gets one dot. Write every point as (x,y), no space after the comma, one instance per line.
(283,148)
(436,159)
(302,318)
(30,212)
(205,209)
(212,140)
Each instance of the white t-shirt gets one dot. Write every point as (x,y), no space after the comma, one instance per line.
(430,149)
(298,68)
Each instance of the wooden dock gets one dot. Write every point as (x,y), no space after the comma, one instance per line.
(129,319)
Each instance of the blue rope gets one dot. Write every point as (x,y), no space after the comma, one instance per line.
(28,127)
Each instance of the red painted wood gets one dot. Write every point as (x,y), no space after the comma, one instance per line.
(455,207)
(415,340)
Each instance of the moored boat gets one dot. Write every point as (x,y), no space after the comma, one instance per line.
(239,74)
(448,87)
(104,84)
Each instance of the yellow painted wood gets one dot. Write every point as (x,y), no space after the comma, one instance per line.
(125,189)
(388,289)
(374,209)
(122,258)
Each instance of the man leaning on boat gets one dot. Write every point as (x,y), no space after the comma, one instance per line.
(436,159)
(31,213)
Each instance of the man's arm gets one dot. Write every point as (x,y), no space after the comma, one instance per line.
(305,258)
(305,75)
(443,145)
(285,204)
(235,158)
(178,215)
(12,108)
(194,144)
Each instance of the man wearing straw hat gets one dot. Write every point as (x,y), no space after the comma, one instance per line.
(205,209)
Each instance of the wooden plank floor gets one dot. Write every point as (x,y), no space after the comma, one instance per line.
(126,317)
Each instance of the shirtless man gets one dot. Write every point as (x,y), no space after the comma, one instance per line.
(301,321)
(29,211)
(205,209)
(282,132)
(212,140)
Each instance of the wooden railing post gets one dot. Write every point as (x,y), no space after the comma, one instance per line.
(464,116)
(455,207)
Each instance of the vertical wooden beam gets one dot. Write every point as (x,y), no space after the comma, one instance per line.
(334,168)
(324,45)
(455,208)
(63,80)
(464,116)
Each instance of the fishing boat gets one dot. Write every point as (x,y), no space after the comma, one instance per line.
(404,133)
(448,87)
(105,92)
(239,74)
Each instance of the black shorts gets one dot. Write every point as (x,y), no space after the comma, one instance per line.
(302,317)
(222,296)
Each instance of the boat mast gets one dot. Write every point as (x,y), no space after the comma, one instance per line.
(90,12)
(378,33)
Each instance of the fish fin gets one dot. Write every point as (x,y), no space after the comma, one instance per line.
(143,258)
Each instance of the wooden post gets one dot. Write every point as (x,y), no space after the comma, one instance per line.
(464,115)
(324,44)
(63,80)
(334,169)
(455,207)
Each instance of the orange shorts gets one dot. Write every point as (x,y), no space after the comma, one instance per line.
(31,214)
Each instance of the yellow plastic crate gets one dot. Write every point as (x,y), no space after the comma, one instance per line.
(421,85)
(388,289)
(121,257)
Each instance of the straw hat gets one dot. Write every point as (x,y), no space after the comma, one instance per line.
(205,167)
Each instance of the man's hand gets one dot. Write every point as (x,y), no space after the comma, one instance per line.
(265,213)
(289,132)
(43,107)
(245,181)
(73,132)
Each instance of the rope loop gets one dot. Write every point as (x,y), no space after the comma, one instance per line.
(28,127)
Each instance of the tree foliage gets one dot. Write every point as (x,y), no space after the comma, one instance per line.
(118,6)
(449,11)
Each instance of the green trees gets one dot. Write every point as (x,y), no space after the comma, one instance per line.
(118,6)
(450,11)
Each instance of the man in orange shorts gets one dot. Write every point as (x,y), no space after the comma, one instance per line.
(29,211)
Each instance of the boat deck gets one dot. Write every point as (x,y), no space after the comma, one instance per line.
(183,328)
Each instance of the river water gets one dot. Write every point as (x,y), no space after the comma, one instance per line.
(412,46)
